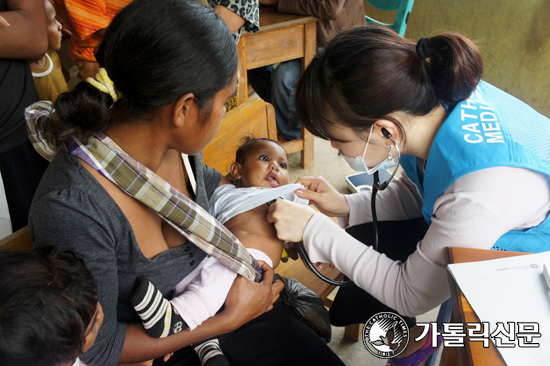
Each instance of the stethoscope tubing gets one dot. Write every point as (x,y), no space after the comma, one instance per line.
(376,186)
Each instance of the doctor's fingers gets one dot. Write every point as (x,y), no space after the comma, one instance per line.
(290,219)
(281,210)
(315,184)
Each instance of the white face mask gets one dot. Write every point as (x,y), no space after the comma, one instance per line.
(358,163)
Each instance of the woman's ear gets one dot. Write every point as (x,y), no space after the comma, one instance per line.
(183,109)
(93,328)
(387,130)
(235,171)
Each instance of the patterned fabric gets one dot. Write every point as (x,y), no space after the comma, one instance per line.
(105,156)
(83,18)
(249,10)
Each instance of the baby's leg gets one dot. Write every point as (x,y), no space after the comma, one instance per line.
(161,318)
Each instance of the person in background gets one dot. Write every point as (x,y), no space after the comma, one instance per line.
(47,71)
(49,313)
(87,21)
(23,36)
(278,85)
(476,169)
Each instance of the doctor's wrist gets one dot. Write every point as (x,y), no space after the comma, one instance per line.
(344,208)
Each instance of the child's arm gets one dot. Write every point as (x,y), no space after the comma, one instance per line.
(26,37)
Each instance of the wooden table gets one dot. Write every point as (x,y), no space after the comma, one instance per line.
(473,353)
(282,37)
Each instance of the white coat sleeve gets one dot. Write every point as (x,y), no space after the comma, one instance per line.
(473,212)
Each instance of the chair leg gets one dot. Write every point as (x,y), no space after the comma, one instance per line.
(353,331)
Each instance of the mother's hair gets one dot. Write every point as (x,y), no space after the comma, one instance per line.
(368,73)
(155,52)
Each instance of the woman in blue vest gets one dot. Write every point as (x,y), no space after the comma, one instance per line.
(475,168)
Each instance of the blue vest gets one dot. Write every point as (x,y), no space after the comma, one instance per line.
(490,129)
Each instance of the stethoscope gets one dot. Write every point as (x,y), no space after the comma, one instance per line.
(376,186)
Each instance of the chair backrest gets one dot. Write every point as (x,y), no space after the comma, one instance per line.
(404,8)
(254,117)
(19,240)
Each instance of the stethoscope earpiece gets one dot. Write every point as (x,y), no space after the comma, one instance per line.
(386,134)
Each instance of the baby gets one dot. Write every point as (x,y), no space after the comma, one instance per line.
(260,164)
(47,71)
(260,175)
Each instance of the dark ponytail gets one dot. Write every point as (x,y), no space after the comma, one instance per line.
(368,73)
(155,52)
(85,107)
(455,68)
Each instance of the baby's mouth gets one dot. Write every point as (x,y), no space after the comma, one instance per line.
(272,178)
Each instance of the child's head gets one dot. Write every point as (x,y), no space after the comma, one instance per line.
(54,28)
(49,313)
(260,162)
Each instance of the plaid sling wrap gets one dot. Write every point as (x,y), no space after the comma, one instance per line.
(105,156)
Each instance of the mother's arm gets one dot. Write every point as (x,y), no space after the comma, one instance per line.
(246,300)
(73,220)
(66,218)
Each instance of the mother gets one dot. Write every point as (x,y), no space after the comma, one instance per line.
(173,67)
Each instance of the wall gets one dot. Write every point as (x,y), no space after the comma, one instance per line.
(514,38)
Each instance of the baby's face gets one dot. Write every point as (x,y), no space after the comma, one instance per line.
(54,28)
(266,165)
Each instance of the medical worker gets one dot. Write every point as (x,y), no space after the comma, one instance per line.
(475,169)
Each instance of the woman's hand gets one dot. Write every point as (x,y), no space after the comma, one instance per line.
(290,219)
(321,194)
(247,300)
(87,69)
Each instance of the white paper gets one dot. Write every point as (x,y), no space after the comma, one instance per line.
(510,290)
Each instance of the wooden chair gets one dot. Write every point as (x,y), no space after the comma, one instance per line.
(282,37)
(19,240)
(254,117)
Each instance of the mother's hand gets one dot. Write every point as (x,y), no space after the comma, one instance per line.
(247,300)
(290,219)
(327,199)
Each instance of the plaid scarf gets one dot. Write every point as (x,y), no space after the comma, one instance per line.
(105,156)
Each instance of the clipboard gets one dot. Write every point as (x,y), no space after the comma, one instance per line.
(510,290)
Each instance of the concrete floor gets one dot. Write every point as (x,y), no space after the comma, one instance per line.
(334,169)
